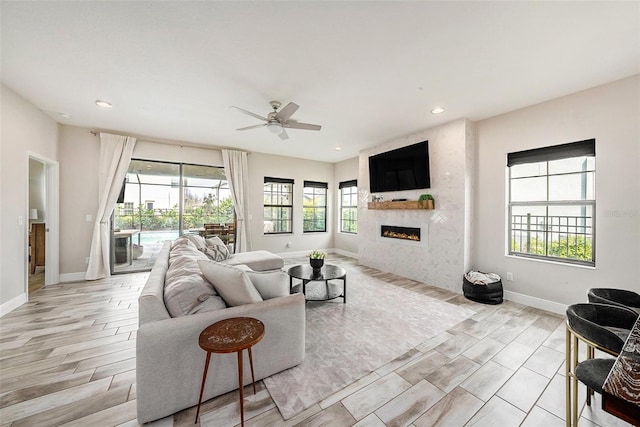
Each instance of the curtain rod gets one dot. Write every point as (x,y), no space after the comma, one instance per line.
(176,143)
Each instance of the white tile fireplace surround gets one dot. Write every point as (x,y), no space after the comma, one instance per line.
(442,254)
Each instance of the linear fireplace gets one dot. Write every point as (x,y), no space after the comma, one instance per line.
(402,233)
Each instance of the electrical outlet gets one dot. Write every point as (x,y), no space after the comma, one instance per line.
(288,244)
(509,276)
(88,217)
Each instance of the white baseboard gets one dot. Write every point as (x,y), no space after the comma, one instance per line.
(346,253)
(536,302)
(293,254)
(73,277)
(12,304)
(305,253)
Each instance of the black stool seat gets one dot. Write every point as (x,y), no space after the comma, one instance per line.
(619,297)
(593,372)
(605,325)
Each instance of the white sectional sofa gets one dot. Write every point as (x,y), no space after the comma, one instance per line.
(169,361)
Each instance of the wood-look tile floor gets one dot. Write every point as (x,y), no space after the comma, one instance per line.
(67,357)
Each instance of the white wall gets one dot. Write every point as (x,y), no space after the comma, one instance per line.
(79,155)
(442,263)
(344,171)
(24,129)
(79,151)
(608,113)
(261,165)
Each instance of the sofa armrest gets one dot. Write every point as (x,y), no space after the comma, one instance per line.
(169,361)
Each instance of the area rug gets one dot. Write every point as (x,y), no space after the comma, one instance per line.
(345,342)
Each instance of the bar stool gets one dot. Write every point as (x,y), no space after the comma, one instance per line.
(602,327)
(619,297)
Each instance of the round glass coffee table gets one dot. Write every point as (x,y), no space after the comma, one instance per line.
(328,272)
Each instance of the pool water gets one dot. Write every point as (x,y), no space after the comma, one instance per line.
(157,236)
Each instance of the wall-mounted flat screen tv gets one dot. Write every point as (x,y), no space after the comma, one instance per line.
(405,168)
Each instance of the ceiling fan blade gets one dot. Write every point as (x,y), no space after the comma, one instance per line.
(249,113)
(287,111)
(298,125)
(253,127)
(284,135)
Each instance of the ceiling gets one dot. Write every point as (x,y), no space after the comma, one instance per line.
(368,72)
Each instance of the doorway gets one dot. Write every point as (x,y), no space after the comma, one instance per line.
(42,214)
(37,224)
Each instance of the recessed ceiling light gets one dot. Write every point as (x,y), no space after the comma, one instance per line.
(64,115)
(437,110)
(103,104)
(338,148)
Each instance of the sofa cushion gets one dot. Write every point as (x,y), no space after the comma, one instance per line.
(211,304)
(232,284)
(185,287)
(257,260)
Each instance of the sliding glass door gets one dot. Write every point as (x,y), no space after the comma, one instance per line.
(161,201)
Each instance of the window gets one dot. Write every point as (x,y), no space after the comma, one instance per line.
(164,200)
(349,206)
(552,203)
(278,205)
(314,206)
(128,208)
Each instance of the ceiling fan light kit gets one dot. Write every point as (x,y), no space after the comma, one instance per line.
(275,128)
(277,121)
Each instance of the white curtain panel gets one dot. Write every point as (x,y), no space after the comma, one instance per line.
(115,156)
(237,172)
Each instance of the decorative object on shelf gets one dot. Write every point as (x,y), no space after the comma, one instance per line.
(316,259)
(376,199)
(426,201)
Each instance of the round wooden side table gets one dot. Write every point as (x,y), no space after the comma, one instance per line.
(231,336)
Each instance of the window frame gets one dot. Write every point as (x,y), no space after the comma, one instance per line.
(316,187)
(353,196)
(546,155)
(281,206)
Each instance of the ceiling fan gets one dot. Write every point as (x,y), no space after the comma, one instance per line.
(278,121)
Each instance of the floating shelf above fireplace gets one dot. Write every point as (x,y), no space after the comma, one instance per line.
(407,204)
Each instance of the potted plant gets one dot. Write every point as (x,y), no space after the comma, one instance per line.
(426,201)
(316,259)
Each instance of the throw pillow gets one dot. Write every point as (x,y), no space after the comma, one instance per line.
(216,250)
(233,285)
(270,284)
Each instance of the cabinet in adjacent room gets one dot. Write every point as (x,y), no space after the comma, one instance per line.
(36,246)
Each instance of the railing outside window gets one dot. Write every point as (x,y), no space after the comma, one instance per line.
(567,238)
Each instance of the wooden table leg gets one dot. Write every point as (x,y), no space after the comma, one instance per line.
(253,378)
(240,388)
(204,379)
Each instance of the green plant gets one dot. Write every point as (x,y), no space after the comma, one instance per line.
(317,254)
(423,201)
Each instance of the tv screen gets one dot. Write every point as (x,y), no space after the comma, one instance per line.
(405,168)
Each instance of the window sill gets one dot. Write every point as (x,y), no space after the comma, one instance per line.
(546,261)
